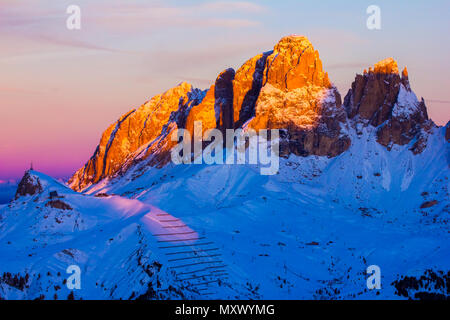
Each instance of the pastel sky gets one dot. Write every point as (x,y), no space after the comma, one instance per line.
(60,89)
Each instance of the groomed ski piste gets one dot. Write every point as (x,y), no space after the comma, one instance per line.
(309,232)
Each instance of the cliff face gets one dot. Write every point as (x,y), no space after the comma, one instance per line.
(247,85)
(133,130)
(294,64)
(285,89)
(297,96)
(282,89)
(384,99)
(374,93)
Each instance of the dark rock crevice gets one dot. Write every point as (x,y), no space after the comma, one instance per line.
(223,95)
(248,105)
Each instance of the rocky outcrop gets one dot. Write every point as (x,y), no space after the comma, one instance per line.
(282,89)
(58,204)
(294,64)
(247,85)
(223,94)
(29,185)
(157,152)
(298,98)
(203,112)
(374,93)
(132,131)
(216,109)
(285,89)
(384,99)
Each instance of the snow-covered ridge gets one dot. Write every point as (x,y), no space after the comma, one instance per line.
(320,219)
(407,103)
(308,232)
(122,246)
(360,183)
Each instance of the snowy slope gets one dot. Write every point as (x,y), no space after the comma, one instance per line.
(308,232)
(312,230)
(114,240)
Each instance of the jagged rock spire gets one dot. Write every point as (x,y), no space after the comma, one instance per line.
(285,88)
(385,100)
(373,94)
(294,64)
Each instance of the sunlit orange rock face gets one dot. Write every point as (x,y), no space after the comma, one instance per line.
(282,89)
(385,100)
(203,112)
(285,89)
(216,109)
(157,151)
(294,64)
(247,85)
(298,97)
(131,131)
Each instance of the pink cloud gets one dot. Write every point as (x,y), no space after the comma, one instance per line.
(140,18)
(241,6)
(71,42)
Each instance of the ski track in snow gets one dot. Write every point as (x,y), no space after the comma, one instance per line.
(229,232)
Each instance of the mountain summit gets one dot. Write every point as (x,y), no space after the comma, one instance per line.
(359,183)
(383,98)
(295,64)
(298,98)
(285,88)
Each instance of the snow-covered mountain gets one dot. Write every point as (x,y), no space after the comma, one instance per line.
(360,183)
(121,246)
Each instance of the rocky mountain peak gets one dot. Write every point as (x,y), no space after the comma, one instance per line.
(291,77)
(384,99)
(285,88)
(294,64)
(405,73)
(386,66)
(29,185)
(298,98)
(374,94)
(133,130)
(292,43)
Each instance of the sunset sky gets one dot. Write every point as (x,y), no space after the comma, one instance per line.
(60,89)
